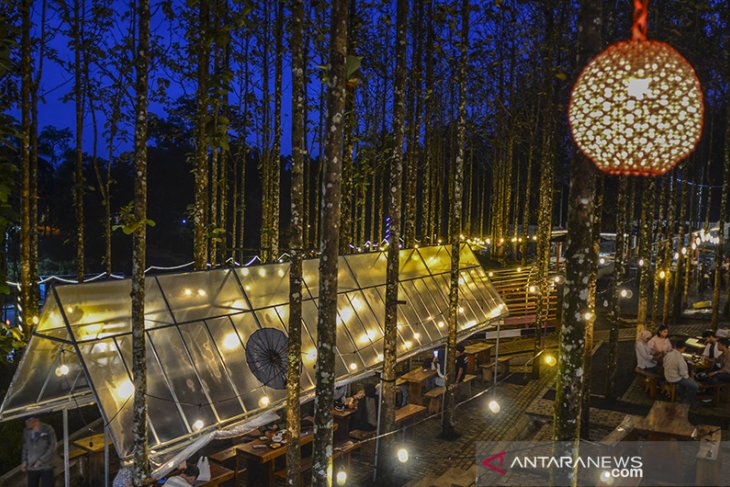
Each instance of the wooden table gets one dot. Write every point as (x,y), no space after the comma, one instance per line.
(342,420)
(218,475)
(408,414)
(695,343)
(417,379)
(261,462)
(477,353)
(698,362)
(667,420)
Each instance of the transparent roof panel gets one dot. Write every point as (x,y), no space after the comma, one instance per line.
(265,285)
(202,295)
(199,325)
(368,269)
(100,309)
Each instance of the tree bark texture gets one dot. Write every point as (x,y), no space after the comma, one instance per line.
(329,241)
(645,240)
(293,453)
(677,291)
(448,424)
(616,287)
(578,315)
(139,238)
(200,205)
(395,193)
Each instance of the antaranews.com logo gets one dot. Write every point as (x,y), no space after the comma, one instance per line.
(653,463)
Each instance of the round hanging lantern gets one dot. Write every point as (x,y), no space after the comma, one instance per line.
(637,108)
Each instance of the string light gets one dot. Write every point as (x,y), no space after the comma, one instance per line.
(641,262)
(62,370)
(601,261)
(264,401)
(341,477)
(402,455)
(624,293)
(198,425)
(588,315)
(662,275)
(550,360)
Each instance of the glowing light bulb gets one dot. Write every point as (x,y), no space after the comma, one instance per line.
(124,389)
(491,274)
(408,344)
(532,289)
(638,87)
(416,336)
(624,293)
(262,272)
(280,272)
(461,309)
(662,275)
(684,250)
(188,292)
(588,315)
(62,370)
(550,360)
(35,320)
(380,357)
(402,455)
(264,401)
(311,354)
(440,324)
(231,341)
(519,269)
(534,237)
(601,261)
(439,241)
(489,241)
(198,425)
(353,366)
(557,279)
(641,262)
(494,406)
(201,292)
(341,477)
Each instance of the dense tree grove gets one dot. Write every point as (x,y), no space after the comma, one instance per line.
(215,131)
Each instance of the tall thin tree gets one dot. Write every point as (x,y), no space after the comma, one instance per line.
(139,241)
(328,244)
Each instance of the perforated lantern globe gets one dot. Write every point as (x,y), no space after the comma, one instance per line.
(637,108)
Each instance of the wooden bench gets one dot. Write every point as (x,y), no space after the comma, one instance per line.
(341,451)
(434,396)
(621,431)
(464,387)
(408,414)
(720,392)
(502,364)
(367,449)
(651,381)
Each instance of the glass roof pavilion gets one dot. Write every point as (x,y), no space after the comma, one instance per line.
(198,324)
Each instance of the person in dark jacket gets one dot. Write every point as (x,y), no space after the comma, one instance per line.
(39,447)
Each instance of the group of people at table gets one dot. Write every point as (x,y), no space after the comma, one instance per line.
(656,353)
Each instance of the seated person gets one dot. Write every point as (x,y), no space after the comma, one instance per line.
(185,479)
(460,363)
(352,402)
(660,344)
(366,416)
(644,357)
(712,350)
(340,395)
(676,372)
(721,375)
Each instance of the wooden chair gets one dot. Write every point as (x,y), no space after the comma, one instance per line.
(434,397)
(670,390)
(502,364)
(651,381)
(464,387)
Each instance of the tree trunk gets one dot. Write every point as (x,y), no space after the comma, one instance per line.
(293,453)
(200,209)
(386,466)
(329,241)
(26,293)
(661,264)
(276,150)
(79,167)
(677,291)
(645,239)
(580,254)
(721,224)
(616,287)
(139,360)
(448,424)
(671,277)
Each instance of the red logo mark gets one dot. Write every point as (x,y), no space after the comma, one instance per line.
(488,462)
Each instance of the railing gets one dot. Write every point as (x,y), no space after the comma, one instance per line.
(519,289)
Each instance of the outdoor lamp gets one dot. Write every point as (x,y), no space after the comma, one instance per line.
(637,108)
(341,477)
(550,360)
(494,406)
(402,455)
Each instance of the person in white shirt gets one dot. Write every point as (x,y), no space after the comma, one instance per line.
(185,479)
(676,372)
(644,357)
(712,351)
